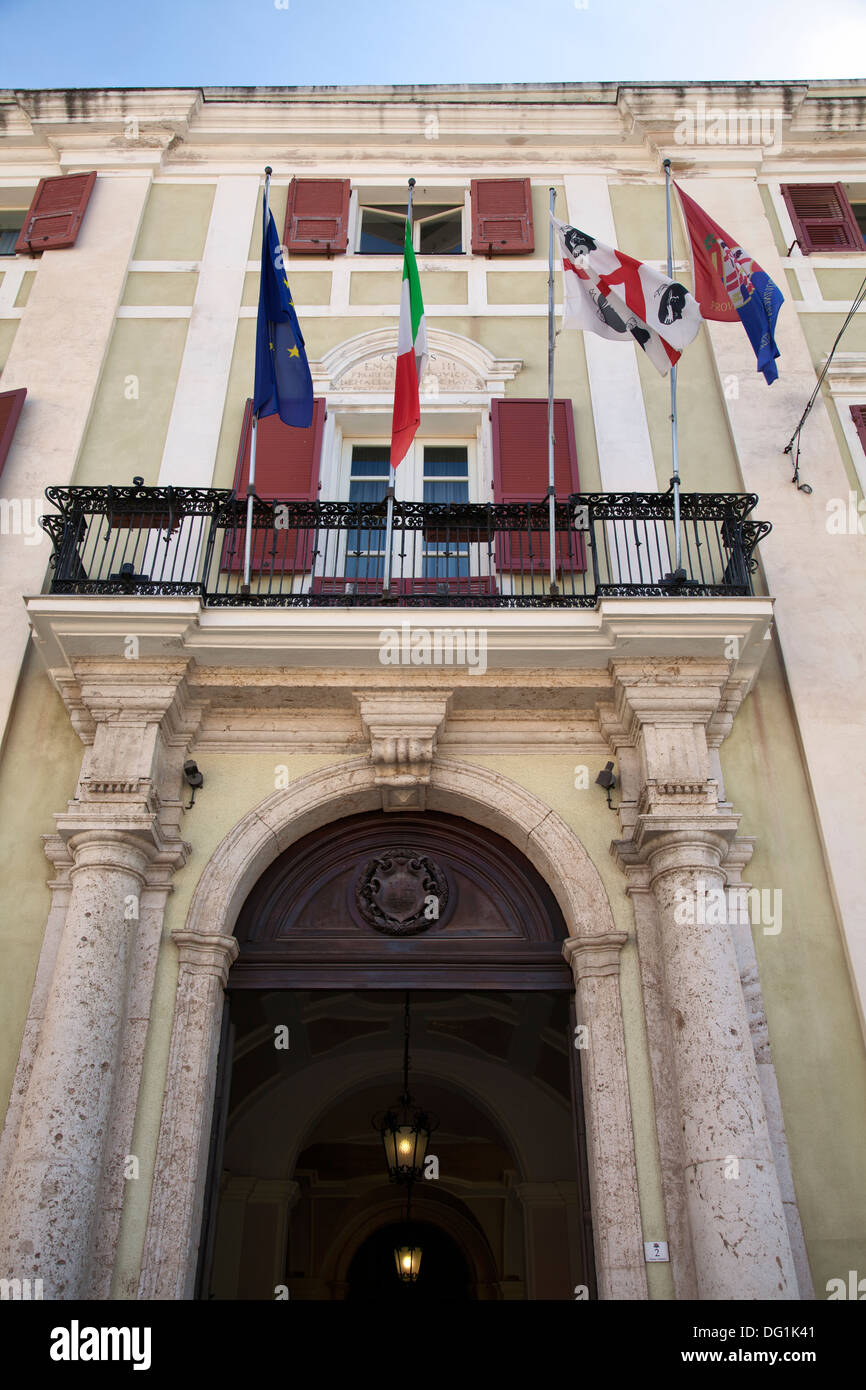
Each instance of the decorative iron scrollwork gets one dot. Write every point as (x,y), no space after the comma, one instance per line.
(401,892)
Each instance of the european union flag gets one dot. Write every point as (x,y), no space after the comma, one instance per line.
(283,383)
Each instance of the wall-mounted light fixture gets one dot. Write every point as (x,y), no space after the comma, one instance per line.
(193,778)
(607,779)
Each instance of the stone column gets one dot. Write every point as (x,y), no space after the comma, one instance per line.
(174,1221)
(736,1216)
(619,1261)
(116,848)
(682,833)
(51,1197)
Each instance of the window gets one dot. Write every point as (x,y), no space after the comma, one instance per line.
(368,480)
(437,229)
(10,226)
(446,479)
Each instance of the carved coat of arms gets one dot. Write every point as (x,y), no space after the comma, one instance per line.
(401,892)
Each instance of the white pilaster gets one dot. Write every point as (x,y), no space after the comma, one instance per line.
(196,416)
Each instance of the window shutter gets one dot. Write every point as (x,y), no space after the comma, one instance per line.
(55,215)
(10,408)
(502,217)
(858,415)
(823,218)
(520,475)
(317,217)
(287,470)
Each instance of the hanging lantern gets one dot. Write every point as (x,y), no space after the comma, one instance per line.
(405,1133)
(408,1261)
(405,1128)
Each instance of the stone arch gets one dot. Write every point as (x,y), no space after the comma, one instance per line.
(388,1207)
(206,948)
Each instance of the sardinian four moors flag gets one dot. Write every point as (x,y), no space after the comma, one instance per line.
(609,293)
(729,285)
(411,357)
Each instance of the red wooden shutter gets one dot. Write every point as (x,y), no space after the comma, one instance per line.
(317,216)
(858,415)
(55,215)
(823,218)
(287,470)
(520,475)
(10,408)
(502,217)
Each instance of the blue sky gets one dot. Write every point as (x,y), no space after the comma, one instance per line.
(152,43)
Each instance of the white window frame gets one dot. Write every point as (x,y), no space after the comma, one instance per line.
(393,198)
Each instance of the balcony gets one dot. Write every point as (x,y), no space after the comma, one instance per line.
(190,543)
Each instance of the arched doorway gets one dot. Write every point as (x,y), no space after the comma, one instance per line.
(331,936)
(206,947)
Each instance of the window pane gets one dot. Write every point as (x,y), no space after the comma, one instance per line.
(442,236)
(446,461)
(446,492)
(381,234)
(371,460)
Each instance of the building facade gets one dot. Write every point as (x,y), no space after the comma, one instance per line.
(639,1016)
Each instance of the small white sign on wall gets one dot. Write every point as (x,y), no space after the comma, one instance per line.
(656,1251)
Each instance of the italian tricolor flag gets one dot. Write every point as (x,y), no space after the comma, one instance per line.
(411,357)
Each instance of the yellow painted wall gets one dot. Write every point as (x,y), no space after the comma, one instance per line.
(125,436)
(522,287)
(154,287)
(175,222)
(23,294)
(820,331)
(838,284)
(38,774)
(8,329)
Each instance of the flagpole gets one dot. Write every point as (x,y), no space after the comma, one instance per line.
(551,342)
(679,573)
(392,477)
(252,477)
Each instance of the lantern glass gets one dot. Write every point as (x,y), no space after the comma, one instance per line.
(408,1261)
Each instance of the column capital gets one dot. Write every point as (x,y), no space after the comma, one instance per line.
(591,956)
(206,953)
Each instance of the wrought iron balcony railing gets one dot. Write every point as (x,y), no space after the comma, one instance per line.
(190,541)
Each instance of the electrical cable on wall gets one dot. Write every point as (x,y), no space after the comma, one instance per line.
(795,437)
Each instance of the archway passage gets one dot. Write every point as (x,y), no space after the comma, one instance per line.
(337,930)
(443,1276)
